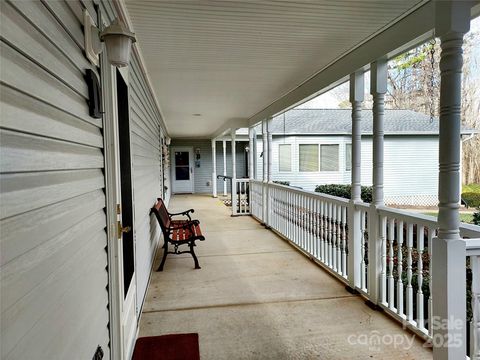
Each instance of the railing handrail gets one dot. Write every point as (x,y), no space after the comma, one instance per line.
(473,247)
(470,230)
(360,205)
(334,199)
(426,220)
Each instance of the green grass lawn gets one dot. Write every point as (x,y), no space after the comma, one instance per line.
(466,218)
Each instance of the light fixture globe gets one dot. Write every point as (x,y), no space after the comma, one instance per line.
(118,40)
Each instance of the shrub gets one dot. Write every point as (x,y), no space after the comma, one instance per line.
(472,199)
(344,191)
(476,217)
(286,183)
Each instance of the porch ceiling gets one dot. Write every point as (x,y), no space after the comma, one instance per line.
(229,60)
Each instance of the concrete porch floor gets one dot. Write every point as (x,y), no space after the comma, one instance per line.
(258,298)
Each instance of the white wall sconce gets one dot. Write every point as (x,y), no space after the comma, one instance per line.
(117,38)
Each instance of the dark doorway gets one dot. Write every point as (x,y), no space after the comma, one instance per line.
(125,181)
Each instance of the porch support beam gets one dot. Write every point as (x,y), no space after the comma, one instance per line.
(357,90)
(452,21)
(234,173)
(214,170)
(224,143)
(376,236)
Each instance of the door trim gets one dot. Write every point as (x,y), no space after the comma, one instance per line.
(122,340)
(115,292)
(172,168)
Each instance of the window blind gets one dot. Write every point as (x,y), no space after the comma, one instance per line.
(329,158)
(285,157)
(308,157)
(348,157)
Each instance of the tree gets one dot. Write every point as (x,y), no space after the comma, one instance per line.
(414,83)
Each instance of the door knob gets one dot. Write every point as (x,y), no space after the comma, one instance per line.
(122,229)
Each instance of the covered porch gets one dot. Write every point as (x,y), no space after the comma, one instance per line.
(257,297)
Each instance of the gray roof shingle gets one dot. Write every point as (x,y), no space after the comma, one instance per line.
(338,121)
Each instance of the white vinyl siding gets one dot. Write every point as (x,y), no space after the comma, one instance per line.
(146,173)
(54,279)
(329,158)
(285,157)
(348,157)
(410,166)
(308,157)
(203,174)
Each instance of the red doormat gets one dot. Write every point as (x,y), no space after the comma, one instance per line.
(167,347)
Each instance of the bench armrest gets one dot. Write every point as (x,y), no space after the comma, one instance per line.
(184,213)
(187,225)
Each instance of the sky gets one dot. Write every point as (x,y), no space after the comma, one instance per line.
(330,101)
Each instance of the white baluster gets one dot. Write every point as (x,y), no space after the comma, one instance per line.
(431,234)
(312,226)
(297,218)
(383,273)
(391,279)
(304,223)
(339,239)
(329,234)
(420,248)
(363,275)
(334,237)
(475,334)
(409,291)
(344,241)
(321,232)
(399,268)
(317,229)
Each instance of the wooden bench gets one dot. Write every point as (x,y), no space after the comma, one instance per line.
(177,232)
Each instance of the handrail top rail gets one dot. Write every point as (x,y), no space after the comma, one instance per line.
(470,230)
(472,247)
(334,199)
(362,205)
(425,220)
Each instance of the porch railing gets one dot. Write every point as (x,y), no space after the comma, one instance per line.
(317,224)
(240,197)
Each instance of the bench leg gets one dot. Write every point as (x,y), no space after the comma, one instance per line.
(165,252)
(197,265)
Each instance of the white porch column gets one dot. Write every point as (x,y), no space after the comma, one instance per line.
(251,154)
(224,167)
(452,21)
(269,169)
(265,170)
(214,171)
(234,173)
(376,237)
(357,90)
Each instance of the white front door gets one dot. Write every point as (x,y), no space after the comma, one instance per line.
(182,169)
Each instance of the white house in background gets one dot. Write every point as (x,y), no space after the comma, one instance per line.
(313,147)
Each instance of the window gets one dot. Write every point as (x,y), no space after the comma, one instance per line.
(284,157)
(308,157)
(348,157)
(329,158)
